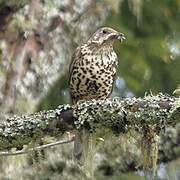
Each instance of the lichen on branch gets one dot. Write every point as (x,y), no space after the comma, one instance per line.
(117,114)
(123,113)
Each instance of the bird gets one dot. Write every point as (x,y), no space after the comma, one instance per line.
(93,72)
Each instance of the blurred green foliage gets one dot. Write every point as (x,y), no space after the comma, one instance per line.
(147,61)
(58,94)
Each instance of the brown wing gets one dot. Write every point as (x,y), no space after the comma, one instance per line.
(75,57)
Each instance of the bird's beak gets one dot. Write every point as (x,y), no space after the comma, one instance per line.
(120,36)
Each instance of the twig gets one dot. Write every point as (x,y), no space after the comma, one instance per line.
(7,153)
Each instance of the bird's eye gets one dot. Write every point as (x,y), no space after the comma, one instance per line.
(104,31)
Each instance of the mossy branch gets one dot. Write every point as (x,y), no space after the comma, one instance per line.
(118,114)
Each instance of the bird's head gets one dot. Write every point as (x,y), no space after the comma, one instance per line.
(106,35)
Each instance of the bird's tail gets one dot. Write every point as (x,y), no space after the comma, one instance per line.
(78,146)
(84,151)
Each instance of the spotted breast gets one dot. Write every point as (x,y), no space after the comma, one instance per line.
(92,72)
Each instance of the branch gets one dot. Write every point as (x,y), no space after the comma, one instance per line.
(45,146)
(117,114)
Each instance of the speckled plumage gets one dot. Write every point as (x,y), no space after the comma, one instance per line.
(93,67)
